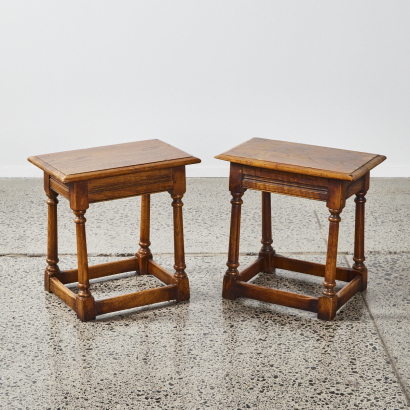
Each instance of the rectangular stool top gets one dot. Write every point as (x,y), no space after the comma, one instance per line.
(303,159)
(110,160)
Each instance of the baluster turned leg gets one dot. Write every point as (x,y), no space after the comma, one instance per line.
(228,291)
(144,253)
(85,302)
(328,302)
(52,268)
(358,257)
(267,251)
(179,253)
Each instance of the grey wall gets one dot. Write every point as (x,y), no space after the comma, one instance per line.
(204,76)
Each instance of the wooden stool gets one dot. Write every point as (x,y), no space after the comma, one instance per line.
(307,171)
(101,174)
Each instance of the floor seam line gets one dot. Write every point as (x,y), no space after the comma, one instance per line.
(109,255)
(113,255)
(396,373)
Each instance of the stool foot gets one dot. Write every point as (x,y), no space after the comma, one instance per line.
(363,274)
(228,289)
(50,272)
(327,307)
(183,289)
(85,308)
(47,276)
(268,262)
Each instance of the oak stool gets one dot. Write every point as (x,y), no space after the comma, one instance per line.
(101,174)
(306,171)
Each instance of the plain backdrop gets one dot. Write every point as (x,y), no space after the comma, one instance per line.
(204,76)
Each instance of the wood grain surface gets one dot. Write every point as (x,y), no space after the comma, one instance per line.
(110,160)
(303,159)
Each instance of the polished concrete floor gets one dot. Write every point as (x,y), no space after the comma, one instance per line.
(208,352)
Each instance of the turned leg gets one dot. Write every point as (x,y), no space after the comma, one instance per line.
(358,257)
(267,251)
(144,253)
(228,291)
(84,301)
(179,253)
(328,302)
(52,268)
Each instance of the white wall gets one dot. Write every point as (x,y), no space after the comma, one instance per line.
(204,76)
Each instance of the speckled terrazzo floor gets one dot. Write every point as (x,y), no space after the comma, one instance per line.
(208,352)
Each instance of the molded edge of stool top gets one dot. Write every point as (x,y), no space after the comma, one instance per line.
(110,160)
(303,159)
